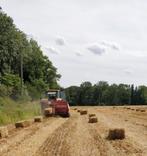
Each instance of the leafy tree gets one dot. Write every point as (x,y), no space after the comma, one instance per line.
(38,70)
(72,95)
(102,93)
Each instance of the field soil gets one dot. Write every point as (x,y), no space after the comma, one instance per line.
(74,136)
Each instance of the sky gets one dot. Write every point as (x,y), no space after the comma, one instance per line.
(87,40)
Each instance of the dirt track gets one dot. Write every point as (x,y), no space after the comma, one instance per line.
(74,136)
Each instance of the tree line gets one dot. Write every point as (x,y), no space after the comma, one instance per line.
(102,93)
(39,73)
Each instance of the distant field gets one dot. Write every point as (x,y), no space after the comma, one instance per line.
(11,111)
(74,136)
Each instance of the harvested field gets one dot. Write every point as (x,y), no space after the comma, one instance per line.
(74,136)
(3,132)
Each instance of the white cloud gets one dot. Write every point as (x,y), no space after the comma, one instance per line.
(111,45)
(128,71)
(78,54)
(52,50)
(96,49)
(60,41)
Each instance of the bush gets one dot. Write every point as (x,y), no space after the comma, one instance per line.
(5,91)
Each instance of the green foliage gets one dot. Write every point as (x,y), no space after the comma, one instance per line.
(72,95)
(5,91)
(38,71)
(12,111)
(10,80)
(37,88)
(104,94)
(10,84)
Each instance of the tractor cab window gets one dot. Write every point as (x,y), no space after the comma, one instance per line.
(52,95)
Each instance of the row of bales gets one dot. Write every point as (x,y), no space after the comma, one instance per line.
(113,134)
(4,132)
(92,117)
(135,109)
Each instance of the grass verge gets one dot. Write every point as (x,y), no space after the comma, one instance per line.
(12,111)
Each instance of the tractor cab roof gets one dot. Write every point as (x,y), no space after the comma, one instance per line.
(52,91)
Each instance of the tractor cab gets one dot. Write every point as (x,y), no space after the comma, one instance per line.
(57,102)
(55,94)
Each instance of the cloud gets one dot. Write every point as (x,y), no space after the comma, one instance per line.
(96,49)
(78,54)
(111,45)
(60,41)
(52,50)
(127,71)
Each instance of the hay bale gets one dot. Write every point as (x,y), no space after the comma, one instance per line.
(118,133)
(93,119)
(78,110)
(83,112)
(22,124)
(91,115)
(137,109)
(3,132)
(38,119)
(47,112)
(142,110)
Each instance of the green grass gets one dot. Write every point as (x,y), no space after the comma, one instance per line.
(12,111)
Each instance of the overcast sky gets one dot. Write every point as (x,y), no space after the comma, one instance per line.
(88,40)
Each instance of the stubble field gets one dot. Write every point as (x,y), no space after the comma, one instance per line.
(74,136)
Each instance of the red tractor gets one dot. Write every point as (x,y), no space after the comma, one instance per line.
(56,102)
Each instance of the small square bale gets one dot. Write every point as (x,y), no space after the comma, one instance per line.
(38,119)
(3,132)
(93,119)
(91,115)
(83,112)
(22,124)
(47,112)
(19,124)
(142,110)
(137,109)
(118,133)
